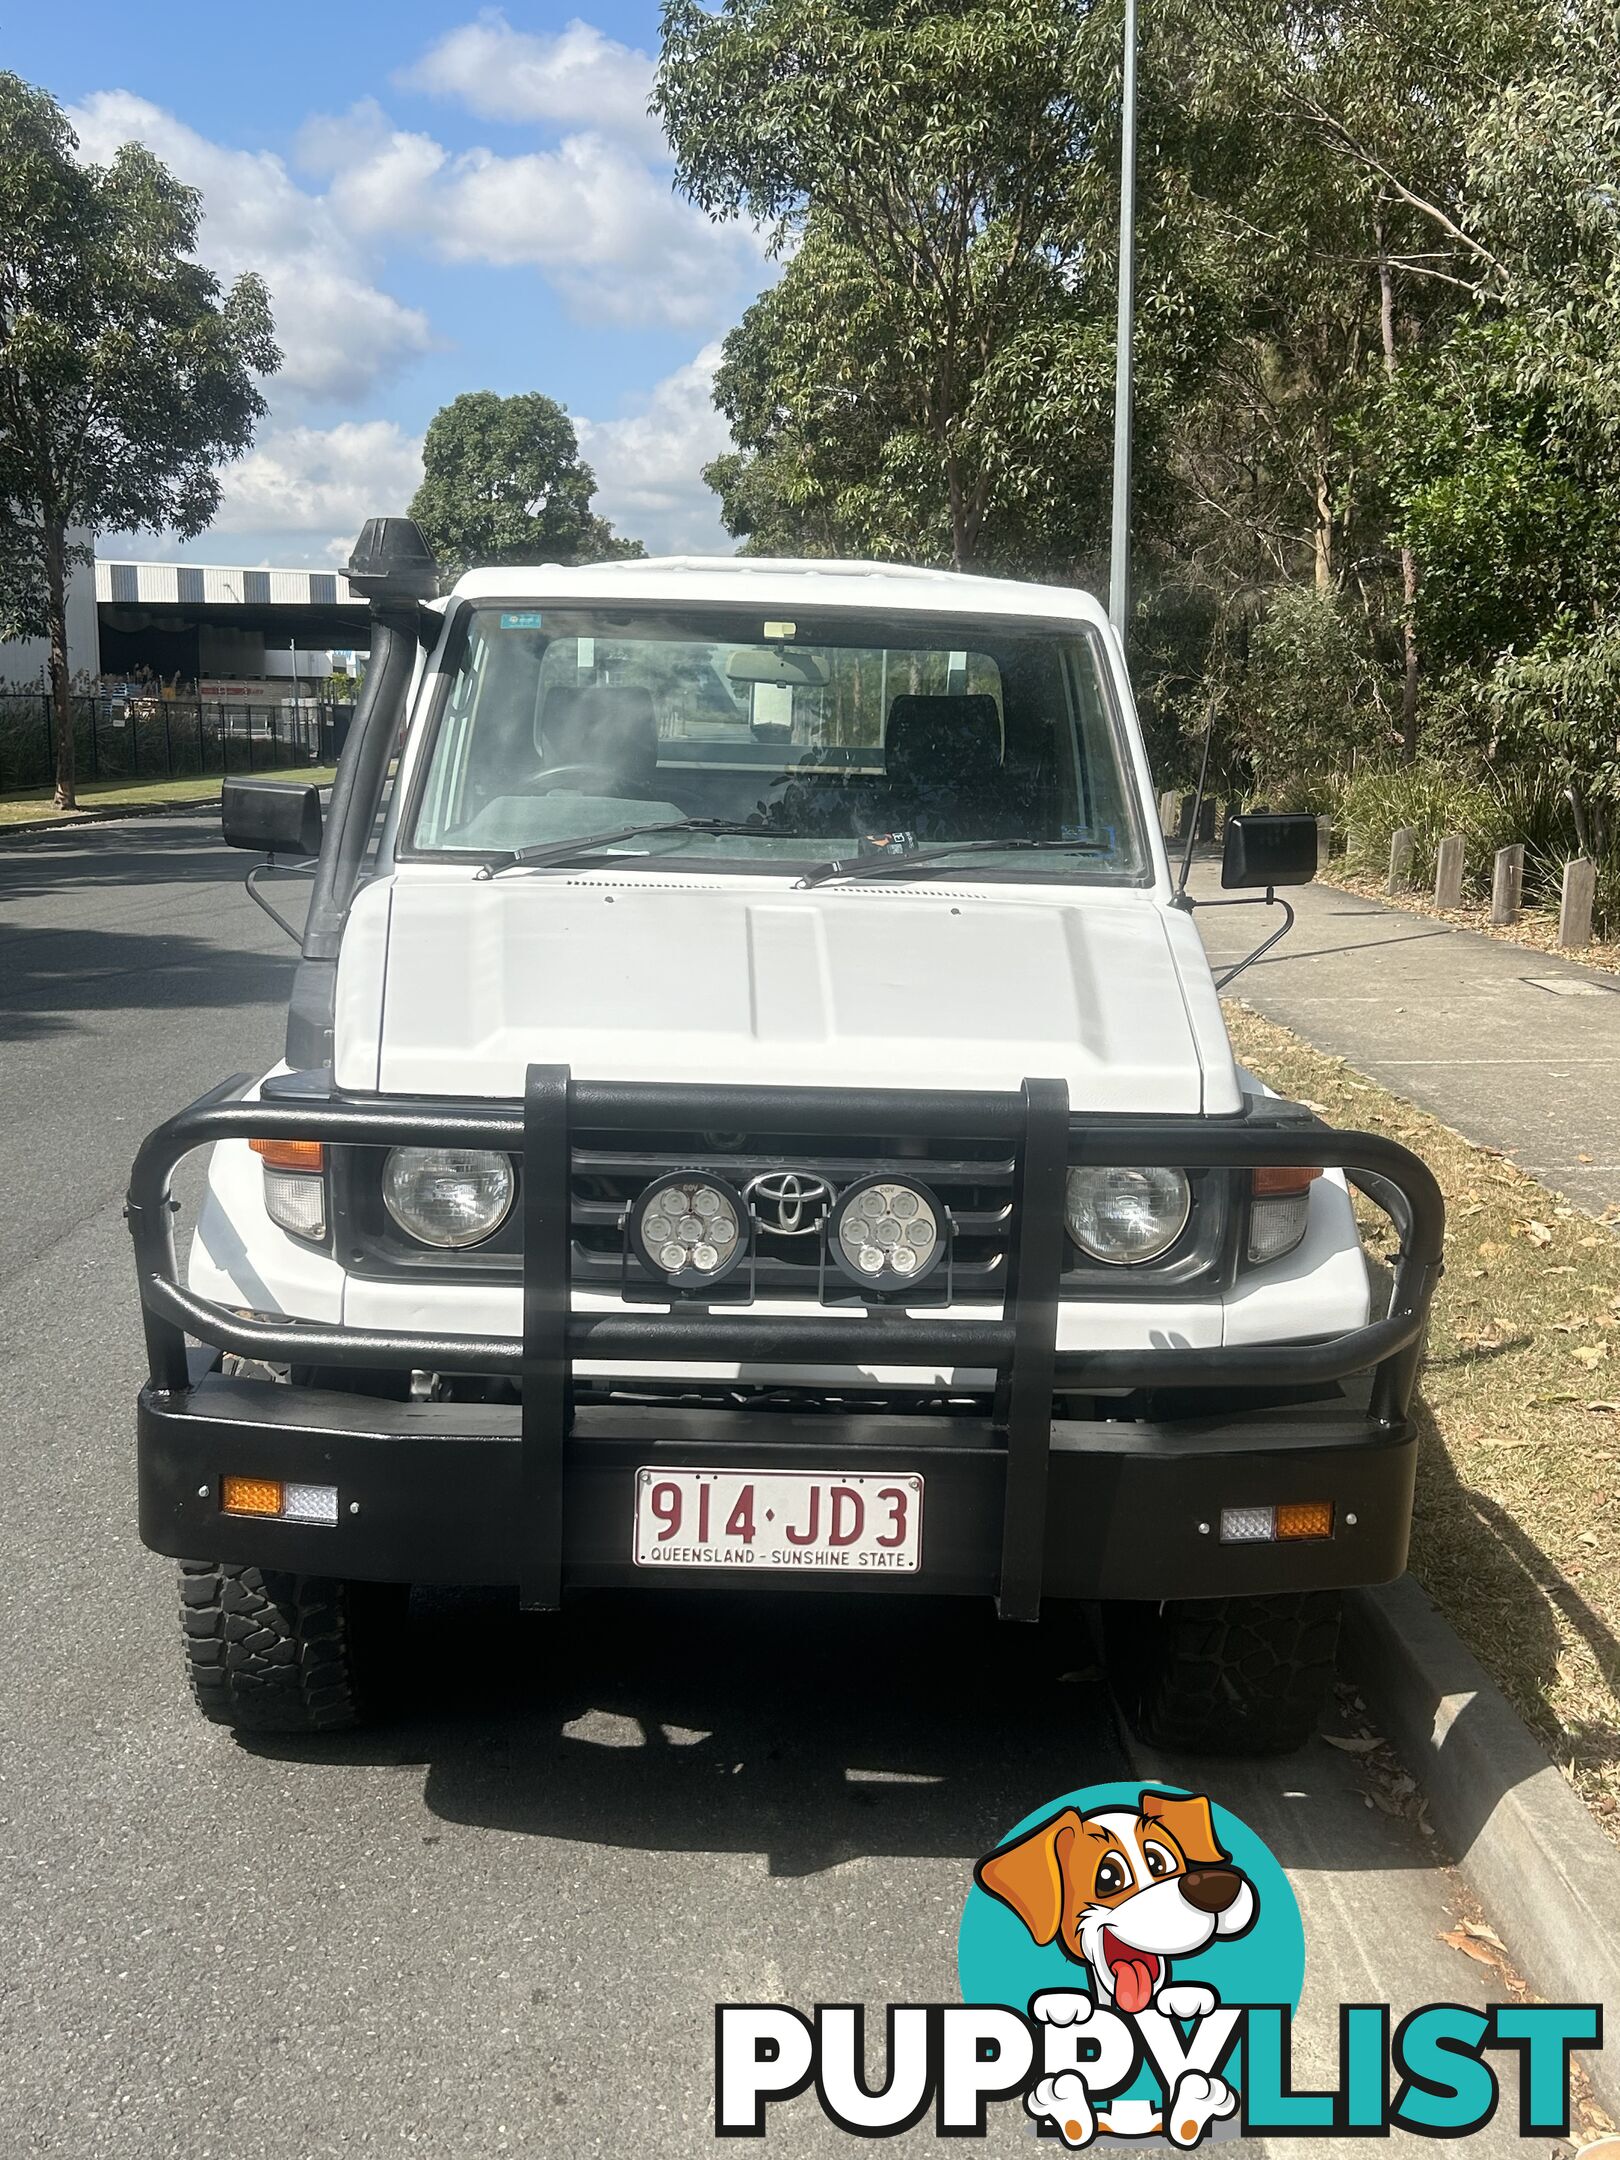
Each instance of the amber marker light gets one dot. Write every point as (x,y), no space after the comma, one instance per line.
(1272,1181)
(290,1154)
(1305,1519)
(250,1495)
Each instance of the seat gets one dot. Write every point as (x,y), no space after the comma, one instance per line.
(605,733)
(942,761)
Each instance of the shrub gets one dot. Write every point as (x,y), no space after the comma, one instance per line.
(1490,811)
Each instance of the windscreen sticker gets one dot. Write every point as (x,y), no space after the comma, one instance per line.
(528,620)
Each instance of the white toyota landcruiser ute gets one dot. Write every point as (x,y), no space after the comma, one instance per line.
(756,1113)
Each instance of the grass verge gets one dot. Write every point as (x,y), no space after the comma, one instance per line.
(33,806)
(1517,1527)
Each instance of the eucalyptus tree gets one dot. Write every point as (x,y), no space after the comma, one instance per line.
(126,376)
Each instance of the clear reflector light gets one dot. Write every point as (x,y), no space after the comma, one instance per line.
(309,1503)
(1248,1525)
(689,1228)
(448,1196)
(887,1234)
(296,1201)
(1125,1214)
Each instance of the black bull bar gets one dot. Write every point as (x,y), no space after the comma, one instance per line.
(1021,1347)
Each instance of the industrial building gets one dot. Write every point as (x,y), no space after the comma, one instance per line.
(212,631)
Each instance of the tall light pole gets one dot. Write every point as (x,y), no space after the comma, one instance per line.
(1119,548)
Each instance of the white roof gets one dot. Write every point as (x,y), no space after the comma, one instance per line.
(768,582)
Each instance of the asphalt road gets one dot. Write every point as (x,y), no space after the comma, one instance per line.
(502,1924)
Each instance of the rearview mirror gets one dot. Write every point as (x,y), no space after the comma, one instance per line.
(777,664)
(273,817)
(1269,847)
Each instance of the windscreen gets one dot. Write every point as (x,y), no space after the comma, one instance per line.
(809,739)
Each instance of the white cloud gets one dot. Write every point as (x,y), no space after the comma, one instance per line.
(649,465)
(578,78)
(603,226)
(320,484)
(340,334)
(302,493)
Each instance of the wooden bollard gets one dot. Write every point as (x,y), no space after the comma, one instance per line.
(1575,908)
(1324,838)
(1170,814)
(1402,841)
(1507,883)
(1448,873)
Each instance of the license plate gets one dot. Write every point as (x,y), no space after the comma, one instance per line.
(779,1520)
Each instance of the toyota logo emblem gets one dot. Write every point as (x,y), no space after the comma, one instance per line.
(789,1202)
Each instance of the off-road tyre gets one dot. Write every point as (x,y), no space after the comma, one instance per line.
(274,1653)
(1224,1676)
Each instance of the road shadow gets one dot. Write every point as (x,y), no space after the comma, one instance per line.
(809,1729)
(90,857)
(52,979)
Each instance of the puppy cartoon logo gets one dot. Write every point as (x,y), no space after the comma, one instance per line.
(1124,1890)
(1145,1920)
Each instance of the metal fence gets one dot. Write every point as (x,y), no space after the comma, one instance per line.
(123,738)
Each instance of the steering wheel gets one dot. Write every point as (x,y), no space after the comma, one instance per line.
(579,780)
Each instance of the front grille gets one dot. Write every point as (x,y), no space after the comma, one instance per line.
(972,1179)
(974,1182)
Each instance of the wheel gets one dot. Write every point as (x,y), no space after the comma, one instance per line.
(269,1652)
(1224,1676)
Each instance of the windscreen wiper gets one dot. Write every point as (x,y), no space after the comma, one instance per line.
(901,864)
(583,844)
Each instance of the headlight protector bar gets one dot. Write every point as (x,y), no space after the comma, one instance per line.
(1020,1346)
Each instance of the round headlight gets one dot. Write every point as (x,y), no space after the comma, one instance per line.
(689,1228)
(1125,1215)
(887,1234)
(447,1196)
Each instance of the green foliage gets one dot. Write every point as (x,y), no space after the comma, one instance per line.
(1433,799)
(1377,424)
(503,482)
(126,375)
(1308,709)
(933,375)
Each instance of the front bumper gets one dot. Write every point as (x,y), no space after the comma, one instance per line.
(433,1492)
(1018,1504)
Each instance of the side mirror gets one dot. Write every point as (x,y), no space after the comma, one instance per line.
(273,817)
(1267,847)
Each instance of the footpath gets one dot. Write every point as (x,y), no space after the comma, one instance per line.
(1512,1047)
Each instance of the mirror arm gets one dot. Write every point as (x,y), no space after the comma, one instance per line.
(1266,899)
(252,884)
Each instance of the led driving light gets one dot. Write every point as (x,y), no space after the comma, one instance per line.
(447,1196)
(1124,1214)
(689,1228)
(886,1233)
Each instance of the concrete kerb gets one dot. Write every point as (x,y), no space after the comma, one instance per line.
(1520,1837)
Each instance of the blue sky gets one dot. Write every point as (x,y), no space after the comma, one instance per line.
(441,198)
